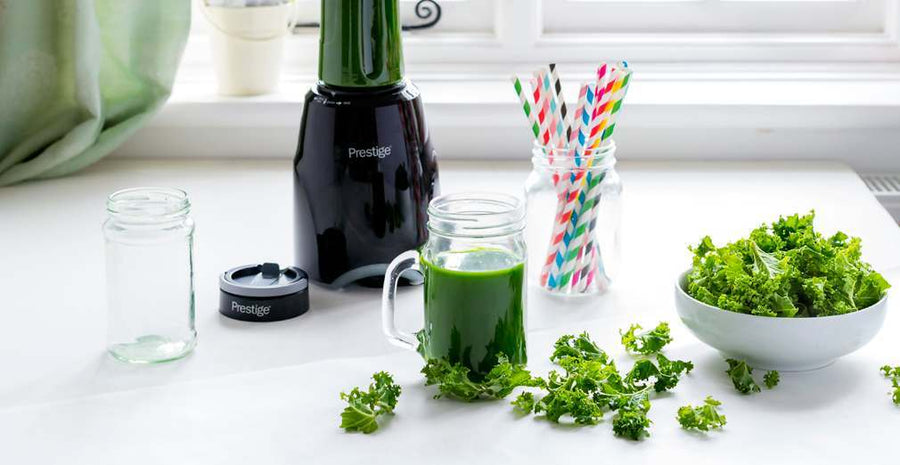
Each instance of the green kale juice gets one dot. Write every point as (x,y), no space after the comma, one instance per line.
(474,309)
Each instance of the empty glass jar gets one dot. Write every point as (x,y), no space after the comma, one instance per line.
(574,219)
(149,275)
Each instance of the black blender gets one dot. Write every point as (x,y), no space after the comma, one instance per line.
(365,168)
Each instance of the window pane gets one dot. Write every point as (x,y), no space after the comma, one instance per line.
(714,16)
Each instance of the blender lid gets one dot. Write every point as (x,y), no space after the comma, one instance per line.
(265,280)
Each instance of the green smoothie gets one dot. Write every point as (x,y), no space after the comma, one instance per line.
(474,308)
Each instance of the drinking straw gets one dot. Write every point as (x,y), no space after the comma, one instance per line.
(541,106)
(578,117)
(602,108)
(557,88)
(540,128)
(578,232)
(556,123)
(558,240)
(579,235)
(563,253)
(592,267)
(526,106)
(608,132)
(587,115)
(590,217)
(569,247)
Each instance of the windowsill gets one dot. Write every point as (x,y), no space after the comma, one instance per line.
(709,112)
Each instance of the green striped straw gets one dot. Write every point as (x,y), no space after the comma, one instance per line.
(526,106)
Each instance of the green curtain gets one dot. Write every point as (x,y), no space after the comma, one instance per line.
(78,77)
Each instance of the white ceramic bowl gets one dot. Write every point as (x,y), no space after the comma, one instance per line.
(772,343)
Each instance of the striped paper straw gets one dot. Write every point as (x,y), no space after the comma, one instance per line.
(577,119)
(526,106)
(587,115)
(562,249)
(590,217)
(588,190)
(563,109)
(563,227)
(541,107)
(616,110)
(555,256)
(575,252)
(557,126)
(613,95)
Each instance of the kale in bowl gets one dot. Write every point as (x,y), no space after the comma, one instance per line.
(786,270)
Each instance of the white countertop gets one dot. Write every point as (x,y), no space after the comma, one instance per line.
(268,393)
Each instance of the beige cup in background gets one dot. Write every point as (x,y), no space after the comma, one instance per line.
(248,46)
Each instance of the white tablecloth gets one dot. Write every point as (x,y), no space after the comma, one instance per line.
(268,393)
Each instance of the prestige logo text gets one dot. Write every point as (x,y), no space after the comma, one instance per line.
(258,310)
(371,152)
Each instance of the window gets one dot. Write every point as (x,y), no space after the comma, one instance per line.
(762,79)
(506,32)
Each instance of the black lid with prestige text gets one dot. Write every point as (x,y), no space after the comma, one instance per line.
(264,292)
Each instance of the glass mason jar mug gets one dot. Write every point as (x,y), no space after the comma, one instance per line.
(149,275)
(473,265)
(574,219)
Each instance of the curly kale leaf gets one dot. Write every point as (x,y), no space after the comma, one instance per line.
(785,270)
(702,418)
(524,403)
(771,379)
(454,380)
(741,376)
(588,384)
(631,419)
(576,403)
(893,373)
(581,347)
(572,392)
(664,374)
(648,342)
(364,407)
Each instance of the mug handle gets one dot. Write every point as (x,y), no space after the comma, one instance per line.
(408,260)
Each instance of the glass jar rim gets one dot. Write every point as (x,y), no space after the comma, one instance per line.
(476,214)
(148,203)
(600,158)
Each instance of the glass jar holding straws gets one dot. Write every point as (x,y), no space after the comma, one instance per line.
(577,251)
(574,193)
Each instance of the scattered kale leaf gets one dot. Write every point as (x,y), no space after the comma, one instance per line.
(893,373)
(631,419)
(581,347)
(741,376)
(665,373)
(702,418)
(785,270)
(454,380)
(587,384)
(771,379)
(364,407)
(524,403)
(648,342)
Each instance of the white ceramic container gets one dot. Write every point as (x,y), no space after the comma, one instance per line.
(772,343)
(248,46)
